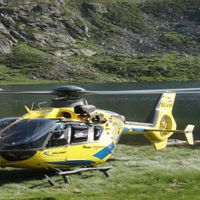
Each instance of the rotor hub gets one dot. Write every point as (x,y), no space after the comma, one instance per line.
(68,96)
(69,91)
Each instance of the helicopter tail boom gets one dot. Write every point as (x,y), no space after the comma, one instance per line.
(161,123)
(188,131)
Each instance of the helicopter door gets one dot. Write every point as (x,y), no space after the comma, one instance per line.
(84,144)
(57,144)
(60,136)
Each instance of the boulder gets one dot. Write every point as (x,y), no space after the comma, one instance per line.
(95,7)
(64,53)
(5,45)
(85,52)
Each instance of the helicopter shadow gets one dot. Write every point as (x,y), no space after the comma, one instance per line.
(23,175)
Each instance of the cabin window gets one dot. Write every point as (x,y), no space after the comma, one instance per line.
(79,133)
(65,134)
(97,132)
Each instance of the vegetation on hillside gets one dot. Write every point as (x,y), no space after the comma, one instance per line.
(116,40)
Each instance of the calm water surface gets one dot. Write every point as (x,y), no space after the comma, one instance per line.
(133,107)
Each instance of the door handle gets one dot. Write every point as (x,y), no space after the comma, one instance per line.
(87,146)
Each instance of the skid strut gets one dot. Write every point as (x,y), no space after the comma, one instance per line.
(65,174)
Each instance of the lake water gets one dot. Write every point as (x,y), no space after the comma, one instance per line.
(133,107)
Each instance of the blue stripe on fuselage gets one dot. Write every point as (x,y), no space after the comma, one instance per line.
(72,162)
(105,151)
(138,129)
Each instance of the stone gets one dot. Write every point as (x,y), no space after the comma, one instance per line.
(17,36)
(63,53)
(5,45)
(3,29)
(85,52)
(95,7)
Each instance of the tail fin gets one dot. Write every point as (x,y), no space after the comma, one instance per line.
(188,134)
(161,125)
(163,107)
(162,119)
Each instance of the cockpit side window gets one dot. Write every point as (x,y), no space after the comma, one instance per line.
(26,133)
(60,136)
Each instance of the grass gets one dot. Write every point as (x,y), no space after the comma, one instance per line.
(166,67)
(133,20)
(139,172)
(111,67)
(10,74)
(174,37)
(24,64)
(26,60)
(25,81)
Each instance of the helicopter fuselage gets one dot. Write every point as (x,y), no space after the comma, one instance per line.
(81,141)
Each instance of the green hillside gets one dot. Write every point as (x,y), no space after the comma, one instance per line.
(99,40)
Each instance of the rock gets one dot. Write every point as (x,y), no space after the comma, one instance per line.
(17,35)
(5,45)
(37,8)
(3,29)
(84,52)
(63,70)
(61,2)
(7,21)
(94,7)
(40,38)
(63,53)
(76,28)
(88,52)
(24,19)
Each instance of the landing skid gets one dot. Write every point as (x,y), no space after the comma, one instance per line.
(65,174)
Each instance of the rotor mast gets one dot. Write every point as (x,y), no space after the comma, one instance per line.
(68,96)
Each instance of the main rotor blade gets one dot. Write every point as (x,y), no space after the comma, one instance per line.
(24,92)
(74,90)
(148,91)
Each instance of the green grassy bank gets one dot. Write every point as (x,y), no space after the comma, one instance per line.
(139,173)
(120,68)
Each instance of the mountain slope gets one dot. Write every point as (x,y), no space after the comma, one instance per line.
(98,40)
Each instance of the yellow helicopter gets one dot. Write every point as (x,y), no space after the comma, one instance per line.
(71,133)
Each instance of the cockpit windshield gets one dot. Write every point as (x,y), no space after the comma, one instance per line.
(7,121)
(26,133)
(30,134)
